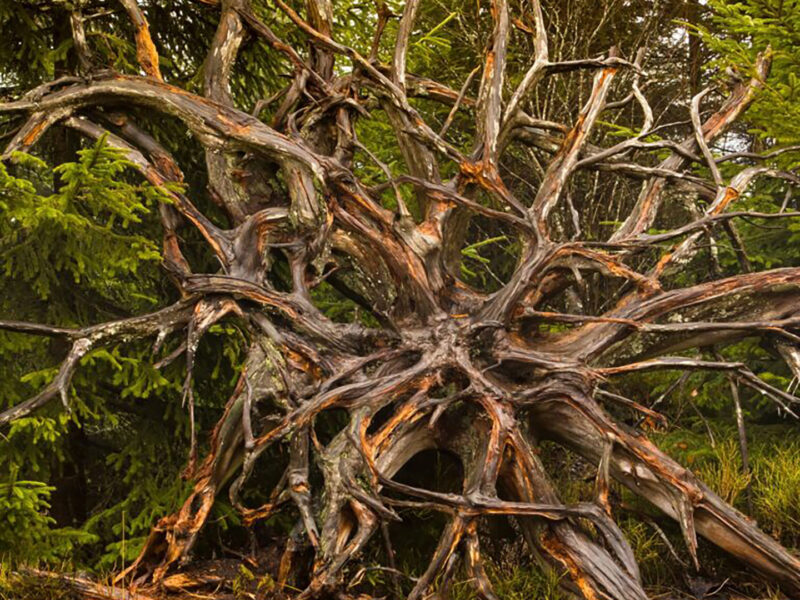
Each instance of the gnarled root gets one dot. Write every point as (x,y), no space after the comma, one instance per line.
(581,425)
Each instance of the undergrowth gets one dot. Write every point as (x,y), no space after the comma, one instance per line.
(773,483)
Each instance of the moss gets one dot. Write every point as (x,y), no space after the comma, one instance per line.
(17,587)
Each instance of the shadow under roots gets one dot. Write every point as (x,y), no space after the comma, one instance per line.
(414,538)
(225,535)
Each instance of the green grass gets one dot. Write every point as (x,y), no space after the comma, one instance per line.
(774,476)
(724,473)
(514,582)
(776,487)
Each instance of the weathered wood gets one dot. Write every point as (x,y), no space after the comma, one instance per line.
(447,367)
(87,589)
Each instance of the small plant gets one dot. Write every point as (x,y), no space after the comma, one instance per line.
(26,529)
(242,583)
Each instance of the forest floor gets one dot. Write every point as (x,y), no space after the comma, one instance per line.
(226,579)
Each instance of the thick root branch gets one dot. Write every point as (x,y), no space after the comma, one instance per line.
(583,427)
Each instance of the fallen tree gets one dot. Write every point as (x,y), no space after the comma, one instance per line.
(437,364)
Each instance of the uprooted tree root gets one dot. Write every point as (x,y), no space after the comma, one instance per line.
(448,367)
